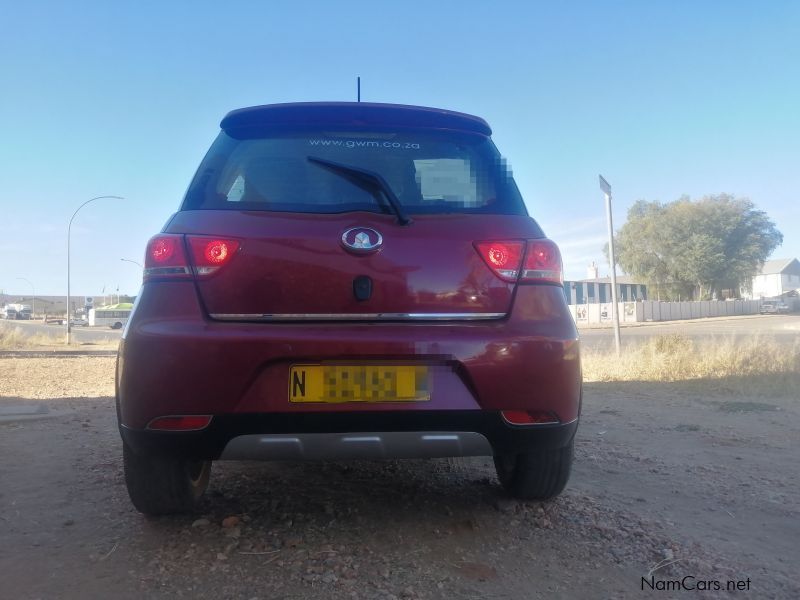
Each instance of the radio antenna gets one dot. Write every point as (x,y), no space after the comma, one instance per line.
(358,87)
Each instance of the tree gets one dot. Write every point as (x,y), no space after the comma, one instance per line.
(695,248)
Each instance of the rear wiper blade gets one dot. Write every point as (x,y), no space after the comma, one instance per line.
(371,180)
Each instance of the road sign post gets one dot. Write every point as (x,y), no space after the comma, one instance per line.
(606,188)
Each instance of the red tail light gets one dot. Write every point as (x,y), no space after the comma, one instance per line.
(166,257)
(542,260)
(211,253)
(180,423)
(504,258)
(542,263)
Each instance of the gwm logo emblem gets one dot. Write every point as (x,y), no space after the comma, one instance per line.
(362,239)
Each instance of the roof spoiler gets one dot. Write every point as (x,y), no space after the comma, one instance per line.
(353,114)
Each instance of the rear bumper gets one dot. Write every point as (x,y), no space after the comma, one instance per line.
(174,360)
(303,436)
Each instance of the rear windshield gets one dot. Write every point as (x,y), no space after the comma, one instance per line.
(430,172)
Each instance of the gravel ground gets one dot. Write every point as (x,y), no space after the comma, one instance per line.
(672,479)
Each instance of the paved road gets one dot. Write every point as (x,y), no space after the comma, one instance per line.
(80,335)
(785,328)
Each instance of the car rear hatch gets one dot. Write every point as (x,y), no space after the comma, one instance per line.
(354,211)
(294,267)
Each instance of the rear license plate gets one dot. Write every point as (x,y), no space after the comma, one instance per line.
(358,383)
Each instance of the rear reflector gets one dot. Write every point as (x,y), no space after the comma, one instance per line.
(180,423)
(542,262)
(530,417)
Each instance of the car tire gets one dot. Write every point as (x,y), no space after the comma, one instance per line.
(160,485)
(538,475)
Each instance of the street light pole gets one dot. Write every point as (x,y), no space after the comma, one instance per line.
(33,309)
(138,264)
(69,231)
(606,187)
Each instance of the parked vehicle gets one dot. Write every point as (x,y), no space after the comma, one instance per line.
(115,316)
(16,311)
(348,281)
(773,307)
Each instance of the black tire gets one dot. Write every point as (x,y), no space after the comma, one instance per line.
(539,475)
(160,485)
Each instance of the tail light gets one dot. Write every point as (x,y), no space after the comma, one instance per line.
(541,264)
(211,253)
(504,258)
(166,256)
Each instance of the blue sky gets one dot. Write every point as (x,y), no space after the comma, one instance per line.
(662,98)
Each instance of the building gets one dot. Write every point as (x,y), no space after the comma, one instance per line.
(776,278)
(598,290)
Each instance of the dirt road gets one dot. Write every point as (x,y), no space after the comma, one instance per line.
(679,475)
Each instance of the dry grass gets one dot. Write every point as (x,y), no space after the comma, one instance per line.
(746,364)
(14,338)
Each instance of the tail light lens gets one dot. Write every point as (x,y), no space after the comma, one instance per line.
(211,253)
(166,256)
(542,263)
(504,258)
(542,260)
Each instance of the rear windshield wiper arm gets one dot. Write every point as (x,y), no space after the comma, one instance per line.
(372,180)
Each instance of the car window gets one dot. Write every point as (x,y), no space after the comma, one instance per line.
(429,171)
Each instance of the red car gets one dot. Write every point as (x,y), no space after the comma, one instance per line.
(348,280)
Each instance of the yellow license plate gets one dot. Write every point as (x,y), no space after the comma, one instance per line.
(358,383)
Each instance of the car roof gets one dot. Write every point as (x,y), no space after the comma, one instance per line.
(354,114)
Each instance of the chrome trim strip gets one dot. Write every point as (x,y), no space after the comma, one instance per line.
(357,316)
(153,271)
(363,445)
(538,274)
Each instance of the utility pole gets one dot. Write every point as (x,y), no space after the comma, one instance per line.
(606,188)
(69,232)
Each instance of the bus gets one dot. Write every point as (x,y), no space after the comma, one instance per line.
(114,316)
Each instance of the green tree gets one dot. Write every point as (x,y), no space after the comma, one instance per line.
(694,248)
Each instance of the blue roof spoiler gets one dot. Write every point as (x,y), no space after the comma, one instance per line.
(353,114)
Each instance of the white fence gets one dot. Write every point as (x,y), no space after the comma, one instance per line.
(651,310)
